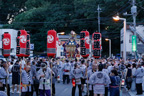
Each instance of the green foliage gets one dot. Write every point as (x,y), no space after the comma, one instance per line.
(39,16)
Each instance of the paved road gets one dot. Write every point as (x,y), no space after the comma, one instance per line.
(65,90)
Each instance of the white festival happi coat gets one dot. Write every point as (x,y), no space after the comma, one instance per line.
(99,79)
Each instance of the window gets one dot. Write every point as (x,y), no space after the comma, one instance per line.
(130,39)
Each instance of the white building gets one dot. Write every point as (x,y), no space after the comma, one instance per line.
(13,40)
(140,41)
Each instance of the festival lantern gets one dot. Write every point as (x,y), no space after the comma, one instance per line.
(84,44)
(28,46)
(21,43)
(6,44)
(51,43)
(96,44)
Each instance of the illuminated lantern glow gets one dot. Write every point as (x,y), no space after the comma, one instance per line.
(73,82)
(84,44)
(28,46)
(21,43)
(96,44)
(51,43)
(6,44)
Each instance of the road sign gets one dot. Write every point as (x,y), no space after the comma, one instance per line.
(134,43)
(31,46)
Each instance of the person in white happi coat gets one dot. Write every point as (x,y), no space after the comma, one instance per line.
(3,76)
(77,74)
(142,63)
(44,76)
(133,86)
(99,80)
(89,73)
(26,80)
(2,93)
(59,67)
(66,70)
(139,79)
(107,72)
(83,79)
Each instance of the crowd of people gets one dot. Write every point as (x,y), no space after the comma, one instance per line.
(101,76)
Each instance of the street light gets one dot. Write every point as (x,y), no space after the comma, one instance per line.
(61,33)
(117,18)
(109,46)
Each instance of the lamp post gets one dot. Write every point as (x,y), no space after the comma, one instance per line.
(61,33)
(109,46)
(117,18)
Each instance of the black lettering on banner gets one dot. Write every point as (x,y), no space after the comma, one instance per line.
(18,50)
(97,44)
(82,35)
(83,51)
(18,33)
(96,36)
(96,52)
(28,37)
(27,45)
(82,43)
(18,42)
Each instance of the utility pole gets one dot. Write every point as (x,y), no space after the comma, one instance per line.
(99,10)
(134,14)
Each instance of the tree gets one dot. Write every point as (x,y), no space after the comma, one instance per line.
(39,16)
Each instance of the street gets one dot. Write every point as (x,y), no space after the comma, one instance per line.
(65,90)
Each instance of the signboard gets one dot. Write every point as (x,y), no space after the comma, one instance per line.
(134,43)
(31,46)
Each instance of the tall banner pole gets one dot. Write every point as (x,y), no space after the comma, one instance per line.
(87,79)
(7,73)
(51,78)
(20,77)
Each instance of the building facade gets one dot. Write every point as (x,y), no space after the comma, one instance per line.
(140,41)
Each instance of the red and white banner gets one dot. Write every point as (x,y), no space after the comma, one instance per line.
(21,43)
(84,44)
(51,43)
(96,44)
(6,44)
